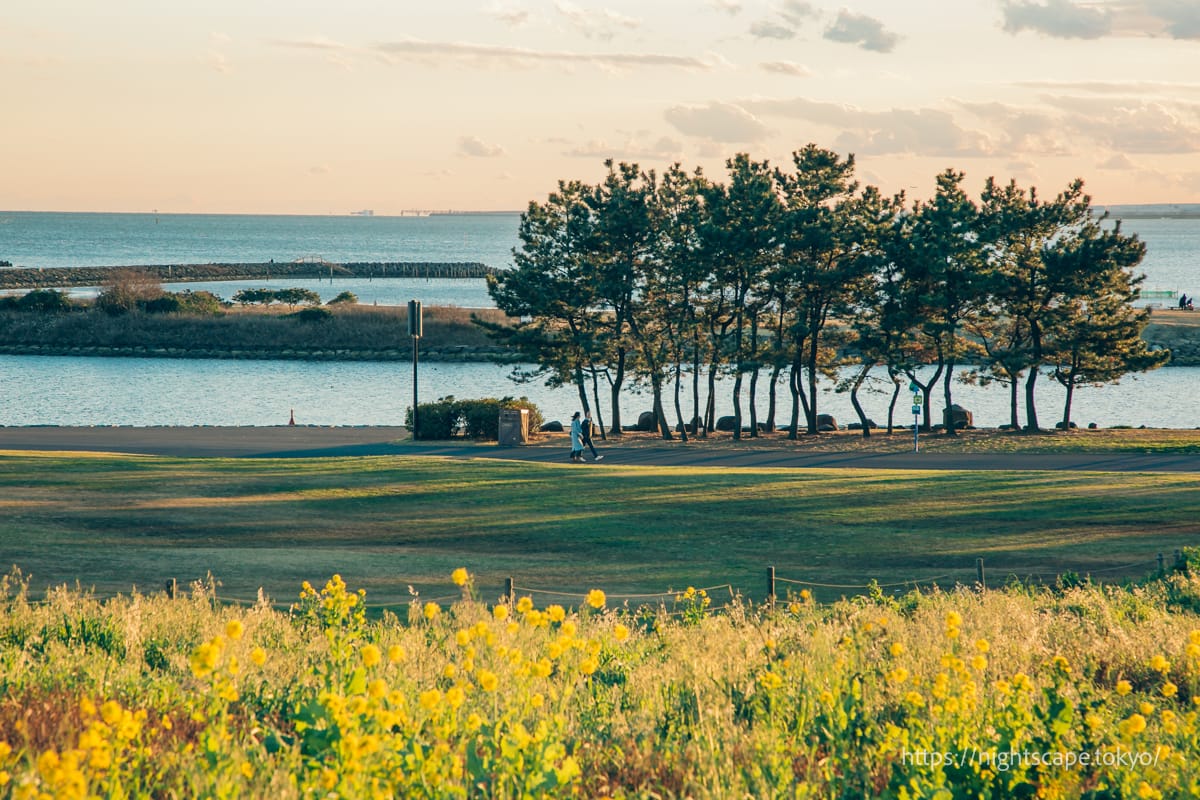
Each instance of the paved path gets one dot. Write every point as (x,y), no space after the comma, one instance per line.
(303,441)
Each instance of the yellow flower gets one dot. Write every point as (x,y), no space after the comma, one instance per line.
(805,595)
(914,699)
(462,638)
(5,749)
(896,649)
(1133,726)
(953,619)
(500,613)
(1061,664)
(258,656)
(595,598)
(247,769)
(455,696)
(536,700)
(431,610)
(1147,792)
(1160,664)
(982,645)
(1169,689)
(459,576)
(329,779)
(487,680)
(794,607)
(1124,687)
(110,712)
(449,671)
(979,662)
(430,699)
(86,707)
(898,675)
(234,629)
(770,680)
(620,632)
(556,613)
(378,688)
(588,666)
(568,629)
(474,722)
(524,605)
(370,655)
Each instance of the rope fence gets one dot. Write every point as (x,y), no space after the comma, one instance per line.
(511,589)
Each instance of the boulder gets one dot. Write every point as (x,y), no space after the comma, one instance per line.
(961,417)
(1092,426)
(646,421)
(554,426)
(726,424)
(1059,425)
(692,428)
(826,423)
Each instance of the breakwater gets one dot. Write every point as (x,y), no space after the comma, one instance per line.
(37,278)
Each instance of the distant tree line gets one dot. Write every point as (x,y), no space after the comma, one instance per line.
(789,276)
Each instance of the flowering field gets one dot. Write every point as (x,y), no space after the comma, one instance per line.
(1085,691)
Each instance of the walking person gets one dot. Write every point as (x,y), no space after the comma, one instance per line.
(587,435)
(576,438)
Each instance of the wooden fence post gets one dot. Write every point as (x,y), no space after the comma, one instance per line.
(172,586)
(1161,569)
(771,586)
(979,573)
(508,591)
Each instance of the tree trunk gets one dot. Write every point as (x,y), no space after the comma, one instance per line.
(1066,420)
(1013,394)
(703,432)
(862,417)
(947,414)
(683,428)
(710,408)
(811,409)
(771,402)
(737,405)
(616,392)
(891,424)
(794,380)
(582,387)
(660,417)
(1031,421)
(599,419)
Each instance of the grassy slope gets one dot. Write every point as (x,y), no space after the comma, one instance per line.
(385,523)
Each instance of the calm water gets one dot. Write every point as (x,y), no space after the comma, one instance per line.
(36,239)
(101,391)
(51,390)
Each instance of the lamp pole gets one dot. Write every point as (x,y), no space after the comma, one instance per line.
(414,330)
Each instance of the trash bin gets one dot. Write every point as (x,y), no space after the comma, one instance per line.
(514,427)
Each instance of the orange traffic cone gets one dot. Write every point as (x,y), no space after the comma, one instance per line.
(292,417)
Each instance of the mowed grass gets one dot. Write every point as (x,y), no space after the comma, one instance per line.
(387,523)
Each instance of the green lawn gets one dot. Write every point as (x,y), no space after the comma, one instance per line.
(386,523)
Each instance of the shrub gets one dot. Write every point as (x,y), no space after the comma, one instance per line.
(344,297)
(199,302)
(313,314)
(45,300)
(472,419)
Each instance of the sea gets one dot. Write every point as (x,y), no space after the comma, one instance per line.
(68,390)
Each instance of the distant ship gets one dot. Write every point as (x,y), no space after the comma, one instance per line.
(366,212)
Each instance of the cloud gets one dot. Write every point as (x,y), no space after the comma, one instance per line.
(797,11)
(786,68)
(474,146)
(220,63)
(1132,126)
(1182,17)
(1118,161)
(766,29)
(1130,88)
(601,24)
(866,32)
(633,148)
(497,55)
(923,131)
(718,122)
(314,43)
(730,7)
(1058,18)
(508,14)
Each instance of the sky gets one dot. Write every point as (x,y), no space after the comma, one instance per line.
(306,107)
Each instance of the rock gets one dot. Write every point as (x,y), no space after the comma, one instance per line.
(646,421)
(858,426)
(554,426)
(1059,425)
(826,422)
(726,424)
(692,428)
(961,417)
(1092,426)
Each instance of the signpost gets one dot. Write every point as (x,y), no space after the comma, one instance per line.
(917,399)
(414,330)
